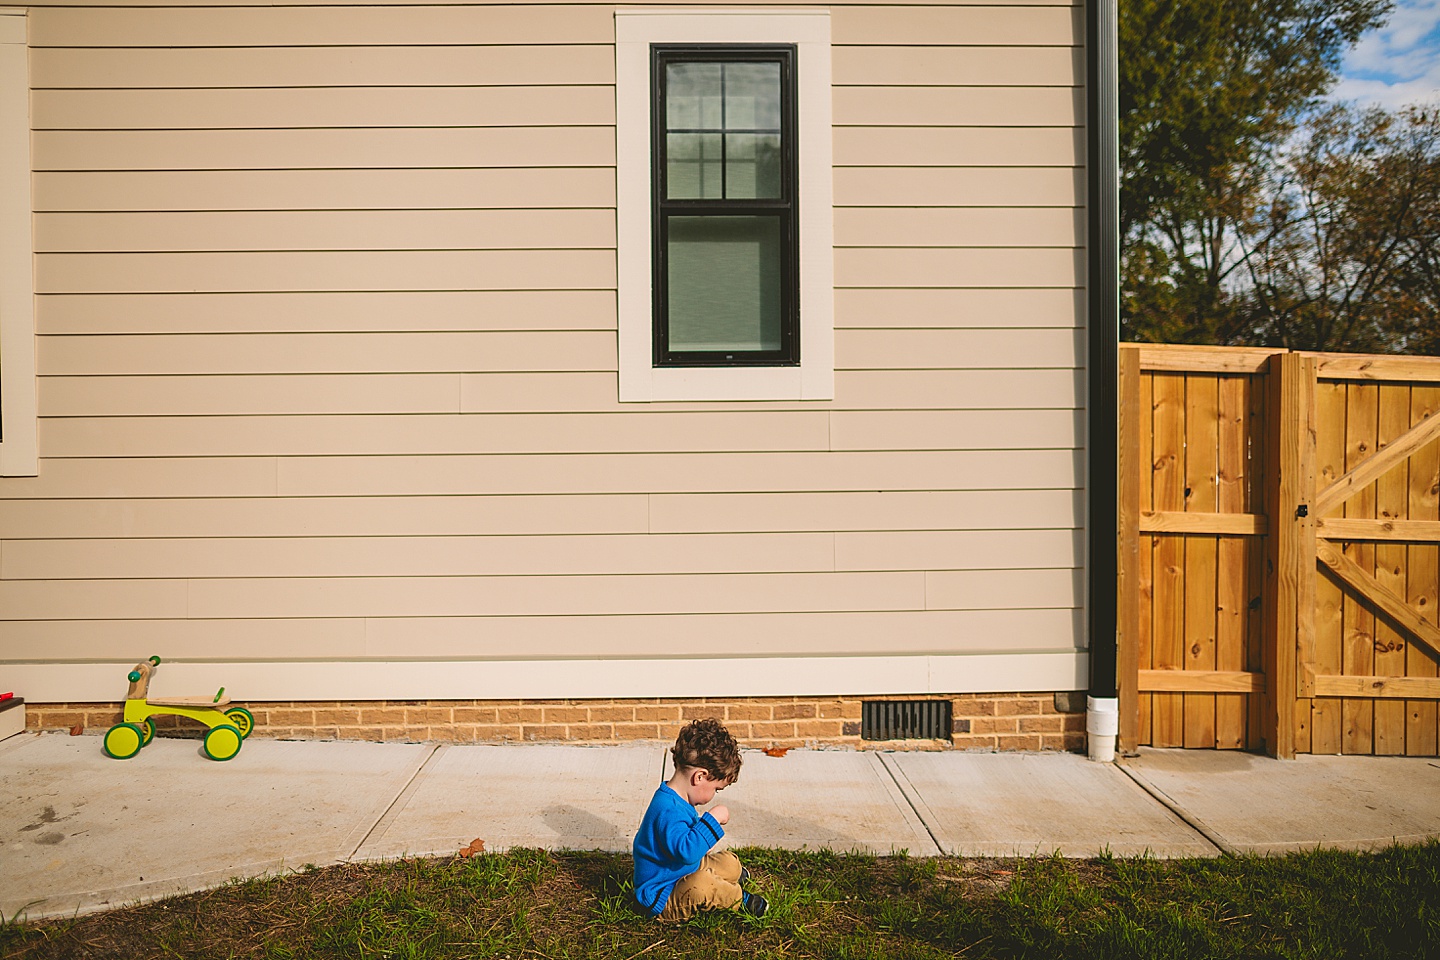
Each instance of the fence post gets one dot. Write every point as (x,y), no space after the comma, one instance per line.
(1131,470)
(1289,601)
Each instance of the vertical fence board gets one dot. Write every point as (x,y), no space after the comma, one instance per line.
(1361,416)
(1256,502)
(1168,634)
(1201,439)
(1392,498)
(1232,476)
(1422,738)
(1128,540)
(1325,718)
(1145,646)
(1302,549)
(1290,557)
(1219,439)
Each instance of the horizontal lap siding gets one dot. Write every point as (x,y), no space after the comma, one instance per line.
(327,352)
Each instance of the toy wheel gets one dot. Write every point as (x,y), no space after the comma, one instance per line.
(243,719)
(123,741)
(222,742)
(147,732)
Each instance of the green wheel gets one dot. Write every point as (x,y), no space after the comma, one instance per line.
(243,719)
(147,731)
(222,742)
(123,741)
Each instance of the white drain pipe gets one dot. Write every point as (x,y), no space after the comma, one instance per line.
(1102,723)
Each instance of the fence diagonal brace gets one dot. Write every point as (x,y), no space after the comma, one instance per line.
(1396,452)
(1382,597)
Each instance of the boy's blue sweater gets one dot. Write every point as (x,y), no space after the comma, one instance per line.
(671,842)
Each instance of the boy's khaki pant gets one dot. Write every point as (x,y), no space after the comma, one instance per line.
(715,886)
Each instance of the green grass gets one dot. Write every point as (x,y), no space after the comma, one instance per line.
(529,903)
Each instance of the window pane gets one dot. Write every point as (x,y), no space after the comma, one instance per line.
(724,283)
(692,166)
(692,96)
(752,96)
(752,166)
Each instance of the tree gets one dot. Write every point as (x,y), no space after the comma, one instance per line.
(1206,88)
(1343,249)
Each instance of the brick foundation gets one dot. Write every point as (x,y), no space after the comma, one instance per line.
(981,721)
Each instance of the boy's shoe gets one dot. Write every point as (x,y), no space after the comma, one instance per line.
(755,905)
(744,875)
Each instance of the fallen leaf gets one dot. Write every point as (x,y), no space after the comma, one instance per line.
(776,751)
(78,729)
(476,846)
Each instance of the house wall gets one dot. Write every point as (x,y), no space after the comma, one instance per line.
(327,370)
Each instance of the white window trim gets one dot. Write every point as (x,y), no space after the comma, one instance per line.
(19,453)
(640,380)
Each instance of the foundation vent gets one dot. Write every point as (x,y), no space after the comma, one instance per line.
(905,720)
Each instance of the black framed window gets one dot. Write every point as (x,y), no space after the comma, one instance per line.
(724,197)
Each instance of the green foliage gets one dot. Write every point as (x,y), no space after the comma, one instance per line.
(530,903)
(1210,93)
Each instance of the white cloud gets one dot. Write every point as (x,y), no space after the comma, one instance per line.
(1397,64)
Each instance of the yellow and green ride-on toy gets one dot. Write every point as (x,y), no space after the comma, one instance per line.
(229,726)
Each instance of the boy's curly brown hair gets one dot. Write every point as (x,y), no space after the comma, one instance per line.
(708,745)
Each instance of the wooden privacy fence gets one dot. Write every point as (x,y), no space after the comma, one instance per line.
(1279,538)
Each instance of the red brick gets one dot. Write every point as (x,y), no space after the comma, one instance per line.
(565,714)
(382,715)
(495,731)
(658,714)
(992,725)
(819,729)
(614,713)
(590,731)
(292,716)
(773,728)
(636,731)
(543,732)
(61,719)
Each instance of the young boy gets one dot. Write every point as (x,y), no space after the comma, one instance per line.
(675,874)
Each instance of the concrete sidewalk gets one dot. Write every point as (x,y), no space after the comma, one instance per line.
(81,832)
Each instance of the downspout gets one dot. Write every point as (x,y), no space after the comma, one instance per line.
(1102,325)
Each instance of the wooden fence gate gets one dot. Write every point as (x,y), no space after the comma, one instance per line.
(1279,551)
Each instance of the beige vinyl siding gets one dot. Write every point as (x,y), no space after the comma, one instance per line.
(501,475)
(340,312)
(327,351)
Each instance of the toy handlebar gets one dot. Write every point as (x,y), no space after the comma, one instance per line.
(142,668)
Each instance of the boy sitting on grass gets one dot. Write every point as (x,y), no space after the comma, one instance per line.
(675,874)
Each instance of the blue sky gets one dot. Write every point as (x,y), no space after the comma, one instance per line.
(1397,64)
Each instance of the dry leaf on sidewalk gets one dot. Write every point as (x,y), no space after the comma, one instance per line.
(776,751)
(476,846)
(78,729)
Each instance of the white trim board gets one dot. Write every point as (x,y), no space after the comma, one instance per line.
(809,30)
(560,679)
